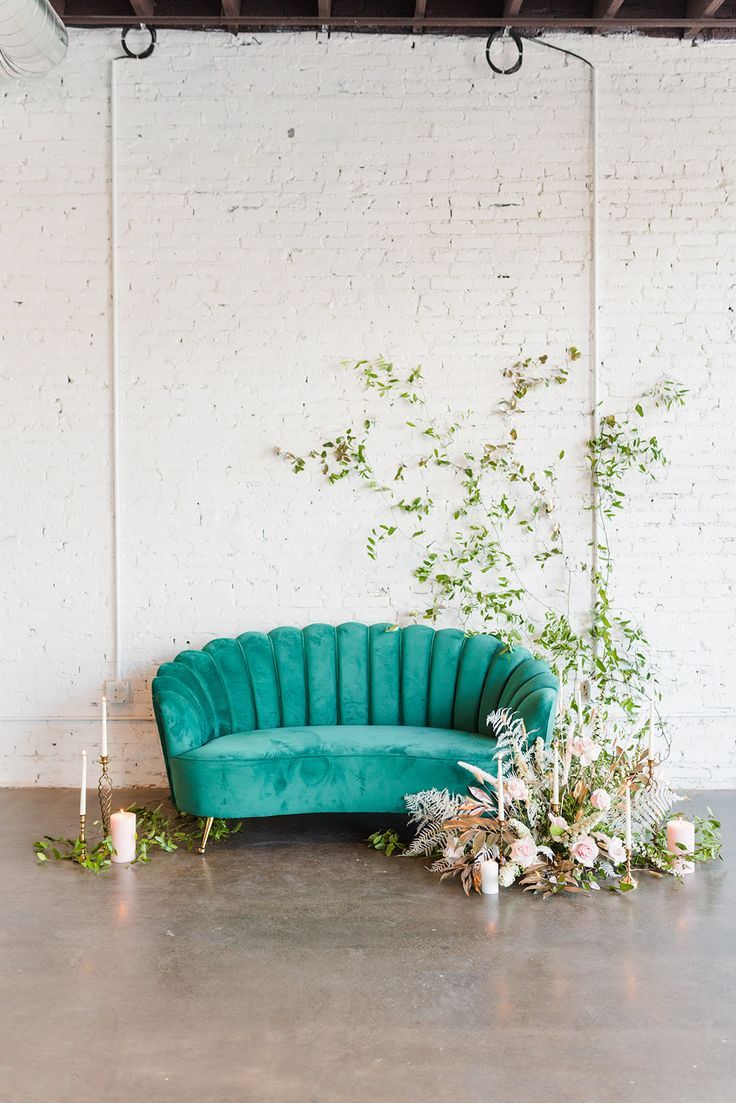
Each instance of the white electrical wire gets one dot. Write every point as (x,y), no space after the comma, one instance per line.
(115,377)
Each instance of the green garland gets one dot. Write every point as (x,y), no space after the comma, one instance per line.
(155,830)
(466,541)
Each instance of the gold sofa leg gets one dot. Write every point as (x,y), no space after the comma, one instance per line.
(205,835)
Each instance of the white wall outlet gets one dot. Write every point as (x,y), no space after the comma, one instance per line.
(117,693)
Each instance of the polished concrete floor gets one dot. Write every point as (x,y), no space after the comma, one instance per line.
(292,965)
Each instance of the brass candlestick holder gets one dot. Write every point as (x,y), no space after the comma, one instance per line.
(104,792)
(630,879)
(82,838)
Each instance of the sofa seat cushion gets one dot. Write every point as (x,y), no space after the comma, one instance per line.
(346,768)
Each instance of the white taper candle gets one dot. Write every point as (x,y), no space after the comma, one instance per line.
(650,752)
(556,778)
(501,808)
(568,753)
(83,790)
(627,798)
(103,747)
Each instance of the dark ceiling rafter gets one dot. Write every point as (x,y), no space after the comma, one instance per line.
(694,17)
(700,8)
(143,9)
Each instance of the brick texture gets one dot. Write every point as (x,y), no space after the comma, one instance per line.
(287,201)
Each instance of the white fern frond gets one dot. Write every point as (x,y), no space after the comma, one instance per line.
(432,804)
(649,807)
(429,810)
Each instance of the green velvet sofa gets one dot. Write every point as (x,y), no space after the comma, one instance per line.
(337,719)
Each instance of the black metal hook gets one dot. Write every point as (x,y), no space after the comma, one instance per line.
(505,33)
(149,49)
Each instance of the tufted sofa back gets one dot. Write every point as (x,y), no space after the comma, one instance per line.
(351,674)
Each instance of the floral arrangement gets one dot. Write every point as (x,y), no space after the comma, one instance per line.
(556,819)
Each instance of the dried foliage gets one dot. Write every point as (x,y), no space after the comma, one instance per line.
(572,847)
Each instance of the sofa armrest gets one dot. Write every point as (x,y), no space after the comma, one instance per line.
(180,723)
(531,693)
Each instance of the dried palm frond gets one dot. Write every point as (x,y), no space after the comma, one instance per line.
(548,878)
(585,824)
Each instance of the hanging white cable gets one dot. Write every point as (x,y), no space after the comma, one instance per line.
(115,377)
(594,307)
(594,310)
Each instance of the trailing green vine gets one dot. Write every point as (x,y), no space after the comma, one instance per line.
(472,512)
(155,830)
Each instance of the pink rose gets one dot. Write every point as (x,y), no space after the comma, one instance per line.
(524,851)
(586,750)
(559,821)
(616,850)
(584,850)
(454,850)
(600,799)
(515,788)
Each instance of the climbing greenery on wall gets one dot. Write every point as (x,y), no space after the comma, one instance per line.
(490,549)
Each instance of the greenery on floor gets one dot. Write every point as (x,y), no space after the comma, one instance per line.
(156,829)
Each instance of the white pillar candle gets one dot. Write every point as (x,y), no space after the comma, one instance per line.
(122,829)
(489,877)
(681,831)
(103,747)
(501,808)
(627,798)
(83,790)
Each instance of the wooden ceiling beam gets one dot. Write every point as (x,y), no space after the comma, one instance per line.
(700,9)
(143,9)
(607,9)
(231,10)
(420,10)
(85,13)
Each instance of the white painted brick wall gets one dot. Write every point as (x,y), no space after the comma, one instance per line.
(290,200)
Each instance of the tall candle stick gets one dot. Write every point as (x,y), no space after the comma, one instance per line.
(83,790)
(501,809)
(650,752)
(556,780)
(627,798)
(103,748)
(568,754)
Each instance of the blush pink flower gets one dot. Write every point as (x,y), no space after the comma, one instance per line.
(454,850)
(559,821)
(616,850)
(524,851)
(600,799)
(584,850)
(586,749)
(515,788)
